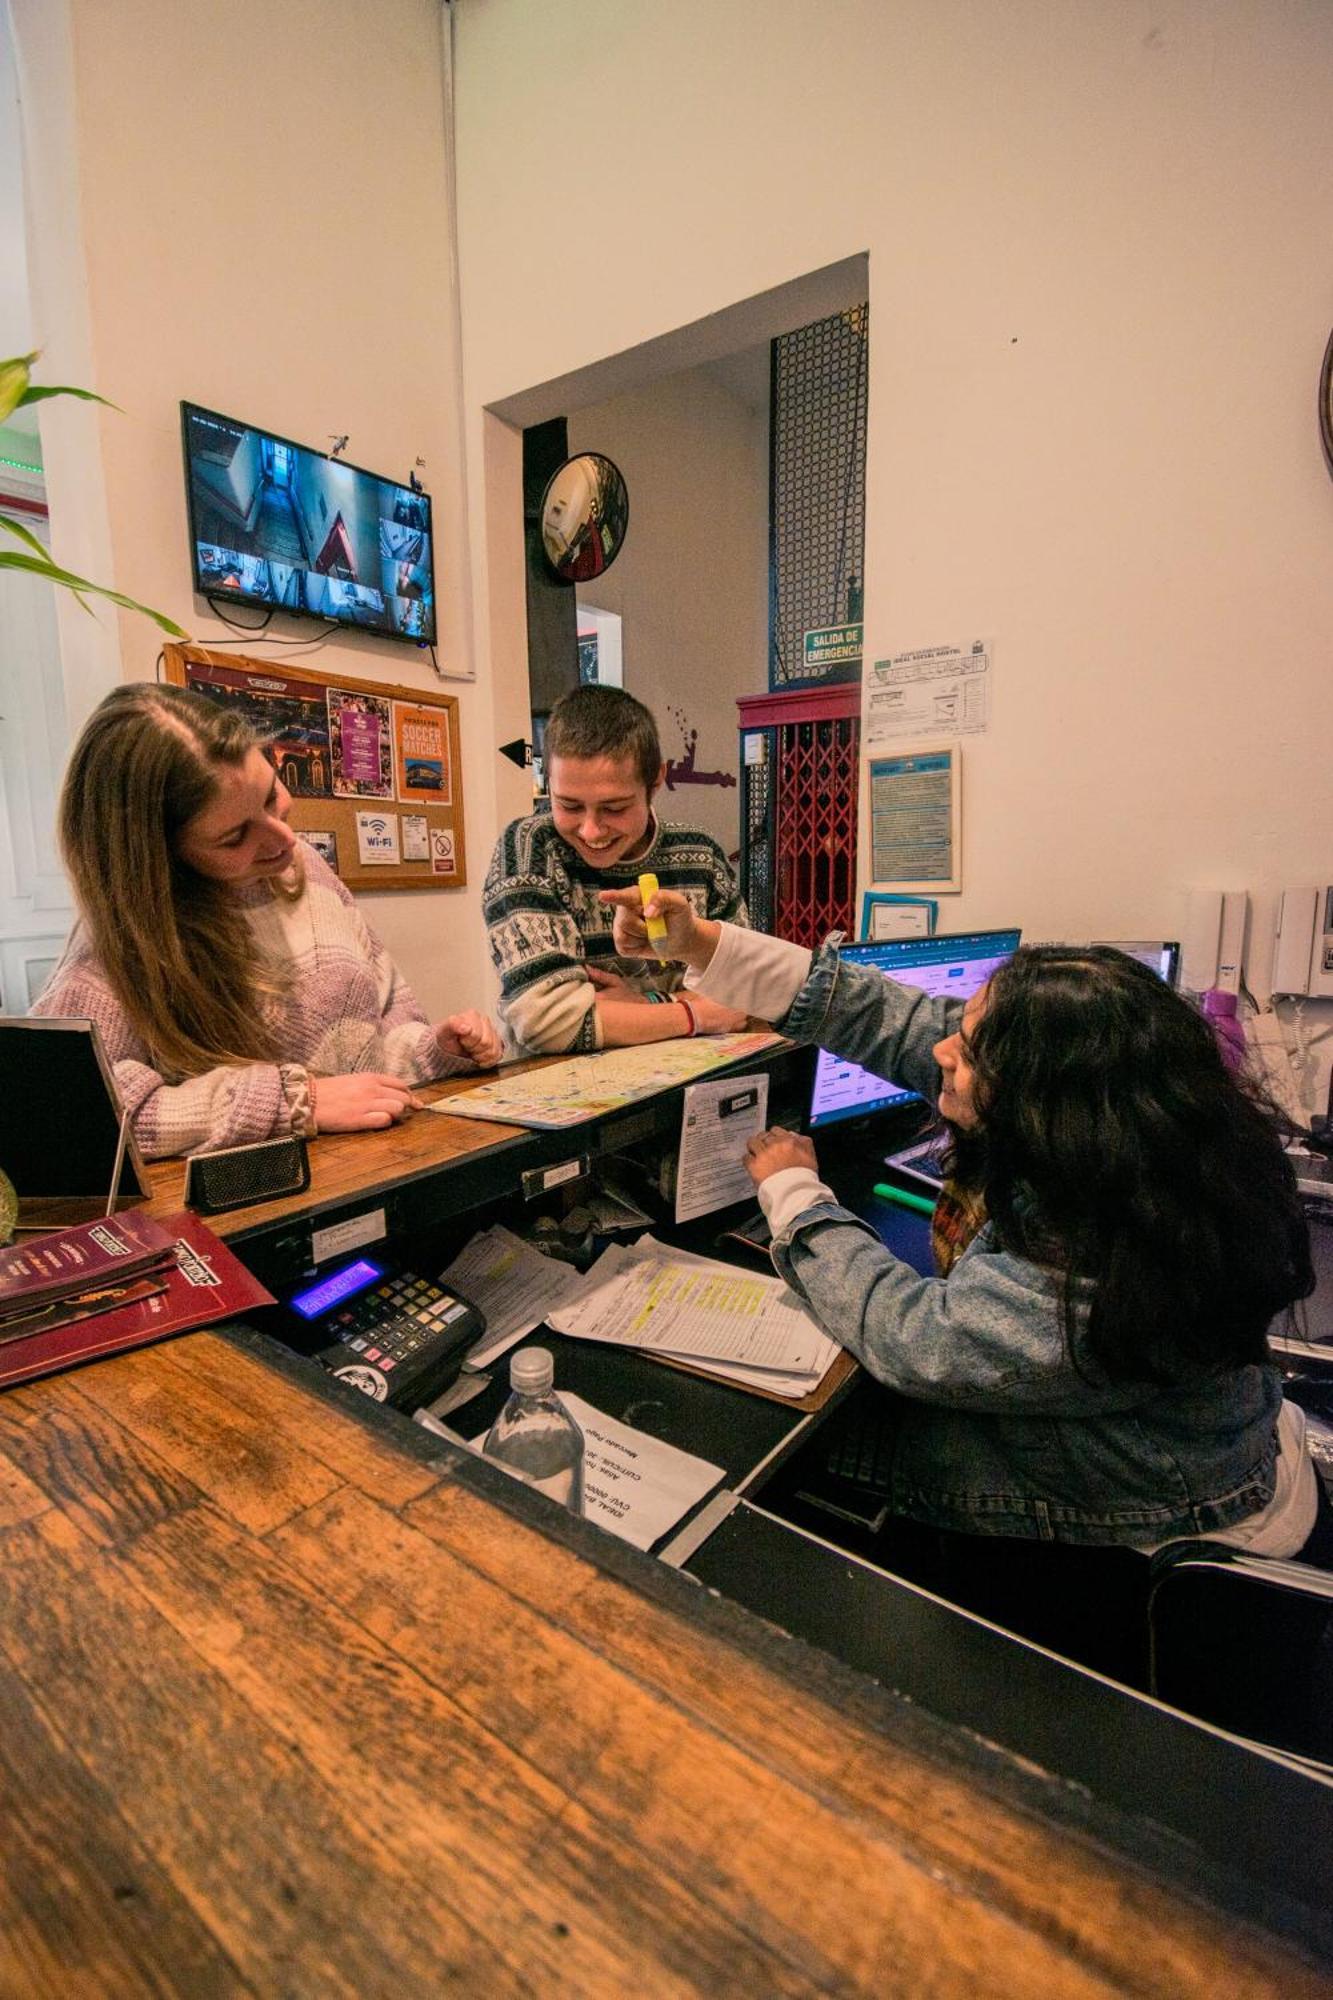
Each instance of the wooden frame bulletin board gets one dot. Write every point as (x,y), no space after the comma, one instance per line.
(374,769)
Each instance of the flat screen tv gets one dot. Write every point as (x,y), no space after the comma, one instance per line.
(277,525)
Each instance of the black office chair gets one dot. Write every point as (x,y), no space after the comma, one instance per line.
(1245,1642)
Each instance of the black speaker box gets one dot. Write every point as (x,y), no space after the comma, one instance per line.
(242,1174)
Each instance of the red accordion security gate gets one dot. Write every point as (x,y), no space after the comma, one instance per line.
(799,773)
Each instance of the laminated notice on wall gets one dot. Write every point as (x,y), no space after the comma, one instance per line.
(915,819)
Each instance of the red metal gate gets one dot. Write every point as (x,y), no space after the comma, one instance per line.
(811,748)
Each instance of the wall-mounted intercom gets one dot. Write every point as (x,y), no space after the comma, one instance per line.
(1303,942)
(1213,940)
(1321,952)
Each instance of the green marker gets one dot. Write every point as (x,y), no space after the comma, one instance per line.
(923,1203)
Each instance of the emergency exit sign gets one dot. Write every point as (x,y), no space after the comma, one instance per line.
(832,646)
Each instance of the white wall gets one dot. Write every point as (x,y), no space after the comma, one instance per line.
(1099,300)
(691,581)
(224,267)
(1100,294)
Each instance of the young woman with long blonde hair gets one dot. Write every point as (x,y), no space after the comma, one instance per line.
(238,990)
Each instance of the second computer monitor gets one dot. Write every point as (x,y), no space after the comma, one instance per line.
(955,966)
(1159,955)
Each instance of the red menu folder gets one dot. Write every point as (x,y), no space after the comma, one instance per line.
(202,1282)
(74,1259)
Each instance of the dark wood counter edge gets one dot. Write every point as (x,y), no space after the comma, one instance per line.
(313,1212)
(1136,1843)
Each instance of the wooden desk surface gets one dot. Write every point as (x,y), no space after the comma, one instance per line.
(290,1708)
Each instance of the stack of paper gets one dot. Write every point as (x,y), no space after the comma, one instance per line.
(516,1287)
(741,1325)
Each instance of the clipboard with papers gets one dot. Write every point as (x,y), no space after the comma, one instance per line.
(712,1318)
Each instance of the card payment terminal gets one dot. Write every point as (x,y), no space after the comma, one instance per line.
(395,1336)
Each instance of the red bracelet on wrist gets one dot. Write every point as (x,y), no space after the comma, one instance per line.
(690,1015)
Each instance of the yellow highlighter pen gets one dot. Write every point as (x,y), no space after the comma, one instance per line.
(656,926)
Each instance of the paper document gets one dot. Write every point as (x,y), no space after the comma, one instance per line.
(693,1309)
(755,1378)
(514,1285)
(718,1120)
(914,818)
(633,1484)
(935,691)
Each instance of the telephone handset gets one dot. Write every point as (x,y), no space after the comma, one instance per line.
(397,1337)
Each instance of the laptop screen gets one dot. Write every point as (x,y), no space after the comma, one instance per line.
(955,965)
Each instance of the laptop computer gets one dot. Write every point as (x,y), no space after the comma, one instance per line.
(65,1142)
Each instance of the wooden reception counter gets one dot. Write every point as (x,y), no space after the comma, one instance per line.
(300,1699)
(295,1707)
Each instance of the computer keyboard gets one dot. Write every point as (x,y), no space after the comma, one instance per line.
(862,1451)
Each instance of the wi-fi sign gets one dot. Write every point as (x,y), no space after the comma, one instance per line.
(377,825)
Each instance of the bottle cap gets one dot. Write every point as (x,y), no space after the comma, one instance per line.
(531,1370)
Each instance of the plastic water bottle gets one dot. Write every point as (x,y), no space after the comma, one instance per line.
(534,1434)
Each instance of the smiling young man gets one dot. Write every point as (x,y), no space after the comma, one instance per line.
(562,987)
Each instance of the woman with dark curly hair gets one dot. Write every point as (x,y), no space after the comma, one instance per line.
(1121,1226)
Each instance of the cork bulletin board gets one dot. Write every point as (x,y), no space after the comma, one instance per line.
(373,769)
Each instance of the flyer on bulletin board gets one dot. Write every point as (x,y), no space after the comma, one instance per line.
(360,744)
(421,754)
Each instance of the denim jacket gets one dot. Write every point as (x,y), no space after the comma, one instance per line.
(997,1431)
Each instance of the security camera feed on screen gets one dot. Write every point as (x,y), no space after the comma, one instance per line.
(274,524)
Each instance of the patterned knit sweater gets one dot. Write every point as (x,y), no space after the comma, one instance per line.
(347,1008)
(546,925)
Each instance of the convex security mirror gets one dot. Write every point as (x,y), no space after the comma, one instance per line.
(585,512)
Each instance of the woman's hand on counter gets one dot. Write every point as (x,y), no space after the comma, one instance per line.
(365,1102)
(470,1037)
(712,1018)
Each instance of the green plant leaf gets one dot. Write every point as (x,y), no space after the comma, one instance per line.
(34,394)
(14,382)
(16,390)
(21,534)
(44,567)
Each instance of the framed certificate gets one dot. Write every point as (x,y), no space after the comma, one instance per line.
(884,915)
